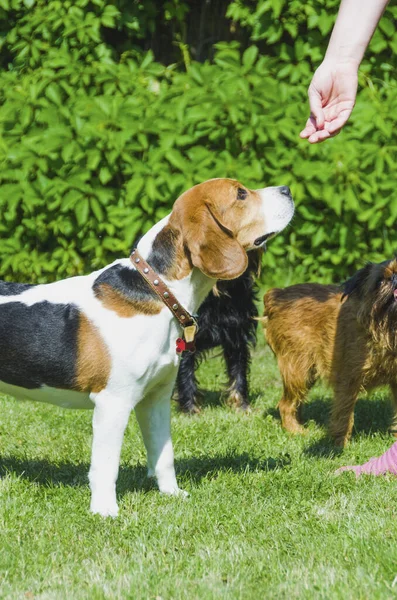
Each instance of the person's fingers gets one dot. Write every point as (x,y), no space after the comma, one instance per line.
(315,135)
(309,129)
(316,120)
(335,119)
(336,124)
(316,107)
(324,134)
(319,136)
(304,134)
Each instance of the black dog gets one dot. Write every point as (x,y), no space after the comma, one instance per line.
(226,318)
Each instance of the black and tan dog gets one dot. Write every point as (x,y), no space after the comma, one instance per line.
(228,319)
(348,337)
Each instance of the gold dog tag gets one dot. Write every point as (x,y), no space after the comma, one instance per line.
(190,332)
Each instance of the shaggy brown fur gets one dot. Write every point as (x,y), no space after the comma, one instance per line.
(348,338)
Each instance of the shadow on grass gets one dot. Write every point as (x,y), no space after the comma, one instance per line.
(205,398)
(208,398)
(371,415)
(323,448)
(316,410)
(134,478)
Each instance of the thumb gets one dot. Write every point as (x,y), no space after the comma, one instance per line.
(316,107)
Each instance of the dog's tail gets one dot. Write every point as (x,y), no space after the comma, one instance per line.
(269,301)
(268,305)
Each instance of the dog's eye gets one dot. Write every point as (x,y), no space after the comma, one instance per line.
(241,194)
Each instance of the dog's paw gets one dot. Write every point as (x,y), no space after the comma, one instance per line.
(297,429)
(235,400)
(246,409)
(341,441)
(190,409)
(105,509)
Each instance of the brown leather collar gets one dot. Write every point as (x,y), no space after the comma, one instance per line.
(187,321)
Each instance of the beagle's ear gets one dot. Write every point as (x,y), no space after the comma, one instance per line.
(213,248)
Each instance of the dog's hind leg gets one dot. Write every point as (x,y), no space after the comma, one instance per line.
(289,406)
(298,377)
(154,417)
(109,422)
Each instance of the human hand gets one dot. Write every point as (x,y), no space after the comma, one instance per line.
(332,95)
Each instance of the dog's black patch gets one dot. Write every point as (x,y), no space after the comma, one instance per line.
(38,344)
(130,282)
(227,320)
(127,282)
(9,288)
(162,255)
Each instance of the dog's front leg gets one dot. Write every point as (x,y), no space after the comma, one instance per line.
(237,358)
(154,417)
(186,383)
(342,414)
(110,420)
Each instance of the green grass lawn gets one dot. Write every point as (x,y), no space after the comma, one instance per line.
(265,517)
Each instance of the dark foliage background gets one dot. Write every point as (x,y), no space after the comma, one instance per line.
(109,110)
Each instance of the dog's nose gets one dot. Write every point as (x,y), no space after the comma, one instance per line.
(284,189)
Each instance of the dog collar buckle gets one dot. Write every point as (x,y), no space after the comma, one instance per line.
(189,333)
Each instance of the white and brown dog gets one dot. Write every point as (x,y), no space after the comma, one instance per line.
(106,341)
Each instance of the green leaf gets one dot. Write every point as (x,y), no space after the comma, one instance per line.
(387,26)
(93,159)
(249,57)
(148,59)
(96,209)
(82,210)
(105,175)
(53,93)
(176,159)
(70,199)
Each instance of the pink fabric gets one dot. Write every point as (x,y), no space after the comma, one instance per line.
(387,463)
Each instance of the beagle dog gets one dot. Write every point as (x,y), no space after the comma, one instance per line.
(106,341)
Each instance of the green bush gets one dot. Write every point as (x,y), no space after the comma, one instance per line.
(97,140)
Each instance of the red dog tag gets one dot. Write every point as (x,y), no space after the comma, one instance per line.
(183,346)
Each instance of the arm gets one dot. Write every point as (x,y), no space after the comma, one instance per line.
(354,27)
(332,92)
